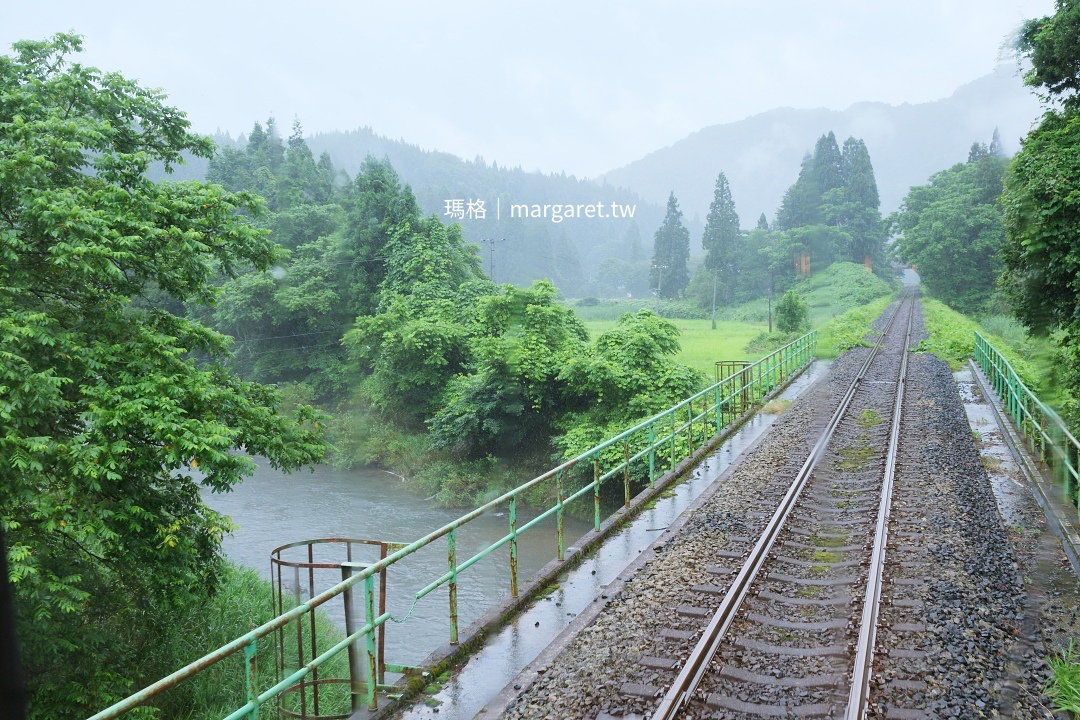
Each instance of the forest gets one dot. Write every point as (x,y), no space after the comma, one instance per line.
(150,327)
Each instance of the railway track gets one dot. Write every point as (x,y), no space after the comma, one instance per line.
(788,626)
(954,636)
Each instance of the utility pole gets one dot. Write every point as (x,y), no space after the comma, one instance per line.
(659,282)
(490,242)
(713,299)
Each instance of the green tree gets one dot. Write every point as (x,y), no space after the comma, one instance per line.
(1042,186)
(854,208)
(799,206)
(513,394)
(418,337)
(377,205)
(951,230)
(627,375)
(721,241)
(671,253)
(1052,44)
(792,313)
(110,422)
(836,189)
(1041,197)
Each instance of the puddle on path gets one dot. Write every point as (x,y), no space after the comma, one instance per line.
(1052,592)
(1010,487)
(508,651)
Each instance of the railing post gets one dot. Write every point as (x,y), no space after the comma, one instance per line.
(299,639)
(251,678)
(626,471)
(689,427)
(672,413)
(350,627)
(513,547)
(451,556)
(369,642)
(596,493)
(719,425)
(652,455)
(559,515)
(311,624)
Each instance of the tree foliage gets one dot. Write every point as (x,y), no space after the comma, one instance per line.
(671,252)
(832,212)
(1052,44)
(1041,206)
(114,408)
(951,230)
(792,313)
(512,393)
(289,322)
(417,338)
(1041,197)
(627,375)
(722,235)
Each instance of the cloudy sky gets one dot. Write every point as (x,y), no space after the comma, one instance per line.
(557,86)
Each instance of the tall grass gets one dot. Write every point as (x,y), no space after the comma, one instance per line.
(952,338)
(1063,687)
(849,329)
(242,603)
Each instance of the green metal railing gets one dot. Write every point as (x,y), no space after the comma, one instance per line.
(636,456)
(1042,429)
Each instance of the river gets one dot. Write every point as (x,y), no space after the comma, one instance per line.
(272,508)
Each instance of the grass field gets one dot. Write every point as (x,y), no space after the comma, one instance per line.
(701,345)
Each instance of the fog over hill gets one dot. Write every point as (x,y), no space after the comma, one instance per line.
(761,154)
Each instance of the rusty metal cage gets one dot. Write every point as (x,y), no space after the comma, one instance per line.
(293,570)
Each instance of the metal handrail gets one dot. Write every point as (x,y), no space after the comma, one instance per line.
(727,398)
(1043,429)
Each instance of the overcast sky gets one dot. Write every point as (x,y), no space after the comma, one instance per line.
(557,86)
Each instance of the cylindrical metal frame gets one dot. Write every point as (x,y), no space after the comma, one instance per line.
(309,689)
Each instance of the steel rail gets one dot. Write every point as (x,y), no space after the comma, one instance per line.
(696,666)
(864,656)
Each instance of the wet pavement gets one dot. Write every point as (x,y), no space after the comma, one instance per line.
(1041,524)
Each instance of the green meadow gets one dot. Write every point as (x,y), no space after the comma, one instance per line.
(702,346)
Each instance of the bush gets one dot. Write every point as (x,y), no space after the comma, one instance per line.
(792,313)
(849,329)
(766,343)
(242,602)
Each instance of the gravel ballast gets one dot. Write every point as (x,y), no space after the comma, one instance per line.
(970,637)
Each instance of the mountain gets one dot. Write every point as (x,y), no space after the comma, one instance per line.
(761,154)
(567,249)
(565,244)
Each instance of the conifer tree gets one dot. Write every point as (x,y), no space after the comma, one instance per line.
(671,252)
(828,164)
(721,239)
(858,213)
(801,201)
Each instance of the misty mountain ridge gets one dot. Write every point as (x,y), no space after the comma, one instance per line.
(761,155)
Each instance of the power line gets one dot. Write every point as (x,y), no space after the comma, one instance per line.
(292,349)
(281,337)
